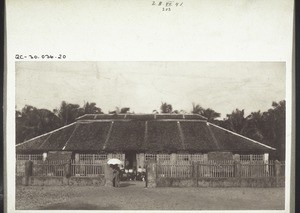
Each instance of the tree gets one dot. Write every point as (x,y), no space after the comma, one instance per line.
(31,122)
(197,109)
(90,108)
(274,128)
(124,110)
(166,108)
(68,112)
(209,113)
(236,122)
(255,124)
(266,127)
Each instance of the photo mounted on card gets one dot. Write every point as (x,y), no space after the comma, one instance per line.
(149,105)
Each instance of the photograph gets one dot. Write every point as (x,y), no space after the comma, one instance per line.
(145,105)
(150,135)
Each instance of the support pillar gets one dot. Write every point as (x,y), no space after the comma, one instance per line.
(266,162)
(109,156)
(173,158)
(44,156)
(77,157)
(266,157)
(141,162)
(28,172)
(151,174)
(108,174)
(236,157)
(277,172)
(67,169)
(237,169)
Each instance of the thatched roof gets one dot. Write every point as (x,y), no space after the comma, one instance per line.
(142,133)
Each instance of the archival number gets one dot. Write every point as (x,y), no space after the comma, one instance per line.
(35,57)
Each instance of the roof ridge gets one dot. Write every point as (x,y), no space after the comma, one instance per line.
(108,135)
(213,136)
(181,135)
(64,147)
(39,136)
(45,140)
(254,141)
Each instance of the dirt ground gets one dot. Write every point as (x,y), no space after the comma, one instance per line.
(133,196)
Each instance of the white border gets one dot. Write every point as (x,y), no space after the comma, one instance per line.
(135,31)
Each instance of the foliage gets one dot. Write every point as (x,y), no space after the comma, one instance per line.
(69,112)
(266,127)
(31,121)
(90,108)
(209,113)
(166,108)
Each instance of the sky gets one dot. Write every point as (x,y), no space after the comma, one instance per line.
(143,86)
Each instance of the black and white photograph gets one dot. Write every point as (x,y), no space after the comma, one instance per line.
(145,105)
(150,135)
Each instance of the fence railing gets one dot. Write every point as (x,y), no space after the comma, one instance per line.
(49,168)
(176,171)
(86,169)
(20,157)
(215,169)
(201,169)
(221,169)
(61,168)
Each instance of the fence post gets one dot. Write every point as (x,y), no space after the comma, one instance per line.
(277,172)
(151,174)
(77,158)
(195,170)
(28,171)
(237,169)
(108,174)
(67,169)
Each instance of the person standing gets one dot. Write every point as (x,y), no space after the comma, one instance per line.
(116,176)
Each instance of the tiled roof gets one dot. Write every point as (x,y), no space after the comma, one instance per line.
(142,135)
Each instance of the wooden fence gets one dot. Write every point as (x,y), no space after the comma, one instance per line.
(220,169)
(86,168)
(60,168)
(49,168)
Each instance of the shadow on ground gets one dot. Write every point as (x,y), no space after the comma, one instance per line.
(126,184)
(78,206)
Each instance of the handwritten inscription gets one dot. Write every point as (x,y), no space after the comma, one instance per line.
(167,5)
(36,57)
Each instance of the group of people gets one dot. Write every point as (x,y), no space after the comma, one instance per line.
(132,174)
(125,174)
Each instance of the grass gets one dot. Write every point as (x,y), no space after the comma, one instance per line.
(133,196)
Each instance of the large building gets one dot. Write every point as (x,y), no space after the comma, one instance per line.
(137,138)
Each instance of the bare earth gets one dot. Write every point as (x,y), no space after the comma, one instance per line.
(133,196)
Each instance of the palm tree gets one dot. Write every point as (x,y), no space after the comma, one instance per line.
(68,112)
(236,121)
(209,113)
(197,109)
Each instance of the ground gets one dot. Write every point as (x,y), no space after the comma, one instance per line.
(133,196)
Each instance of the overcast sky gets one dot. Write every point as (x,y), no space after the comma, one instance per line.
(142,86)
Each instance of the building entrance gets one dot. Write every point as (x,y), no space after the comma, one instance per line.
(130,161)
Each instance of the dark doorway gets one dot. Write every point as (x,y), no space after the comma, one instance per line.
(130,160)
(131,175)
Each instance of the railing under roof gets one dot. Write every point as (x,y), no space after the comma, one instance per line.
(142,116)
